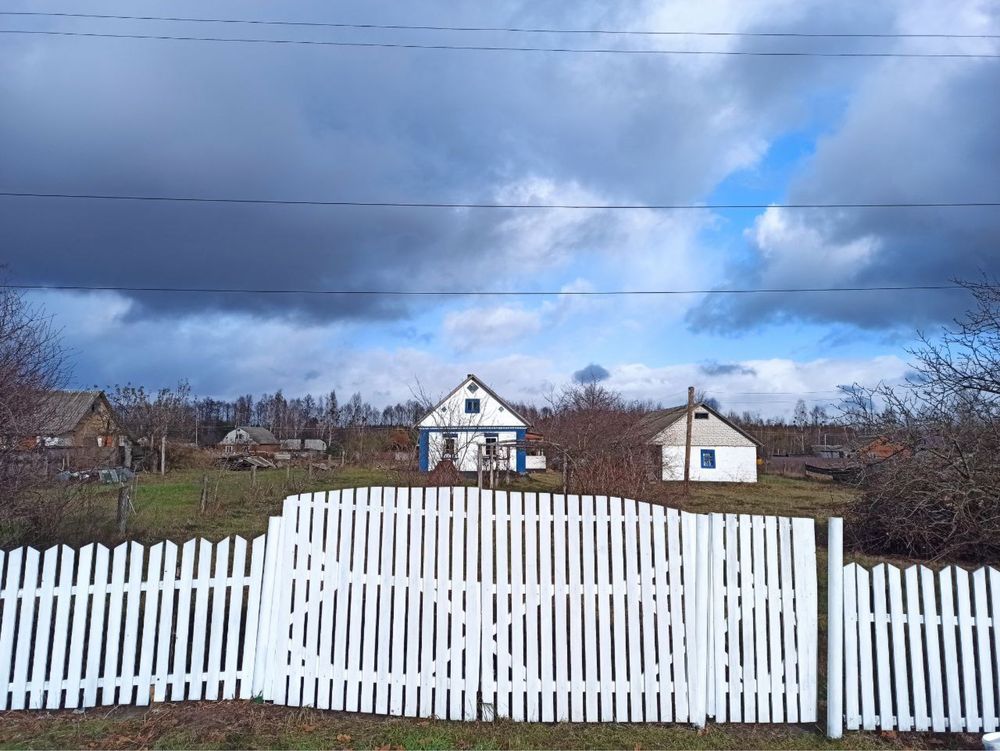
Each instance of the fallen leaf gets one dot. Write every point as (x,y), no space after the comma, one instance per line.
(343,738)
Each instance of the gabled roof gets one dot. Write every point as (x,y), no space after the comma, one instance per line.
(260,435)
(654,423)
(61,411)
(479,382)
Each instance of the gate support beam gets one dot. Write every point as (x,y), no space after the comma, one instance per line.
(835,629)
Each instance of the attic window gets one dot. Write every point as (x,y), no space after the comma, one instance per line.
(471,406)
(473,388)
(701,415)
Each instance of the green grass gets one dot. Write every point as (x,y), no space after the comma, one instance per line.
(247,725)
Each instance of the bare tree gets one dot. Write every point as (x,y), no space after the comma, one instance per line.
(32,363)
(931,481)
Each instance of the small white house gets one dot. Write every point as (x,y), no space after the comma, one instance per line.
(472,415)
(241,440)
(720,450)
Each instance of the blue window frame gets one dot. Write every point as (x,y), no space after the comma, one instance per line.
(472,406)
(708,458)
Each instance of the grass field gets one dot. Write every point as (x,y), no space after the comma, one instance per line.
(168,508)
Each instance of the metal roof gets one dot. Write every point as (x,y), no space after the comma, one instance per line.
(61,411)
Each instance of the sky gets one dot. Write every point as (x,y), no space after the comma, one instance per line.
(92,115)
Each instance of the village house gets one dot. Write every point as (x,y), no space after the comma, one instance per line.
(250,440)
(720,450)
(80,429)
(473,424)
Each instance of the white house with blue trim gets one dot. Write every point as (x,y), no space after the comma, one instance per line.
(721,451)
(470,416)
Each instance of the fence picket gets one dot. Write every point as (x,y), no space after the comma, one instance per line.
(459,615)
(417,605)
(806,614)
(234,616)
(865,652)
(883,680)
(985,662)
(504,607)
(77,639)
(255,605)
(546,593)
(734,595)
(150,611)
(562,645)
(633,612)
(748,615)
(720,631)
(675,593)
(312,549)
(646,600)
(578,686)
(773,600)
(368,663)
(591,609)
(532,605)
(973,723)
(42,637)
(217,593)
(488,593)
(390,697)
(994,589)
(852,714)
(166,629)
(602,563)
(60,627)
(790,664)
(933,646)
(760,619)
(948,623)
(185,589)
(619,615)
(470,682)
(8,619)
(518,616)
(901,681)
(917,649)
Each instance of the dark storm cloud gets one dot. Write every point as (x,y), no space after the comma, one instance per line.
(593,373)
(725,368)
(162,118)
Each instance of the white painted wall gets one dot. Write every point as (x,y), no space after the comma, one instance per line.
(451,412)
(534,463)
(732,464)
(466,449)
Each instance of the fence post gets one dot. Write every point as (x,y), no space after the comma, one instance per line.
(835,629)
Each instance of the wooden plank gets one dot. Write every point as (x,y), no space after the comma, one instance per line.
(474,628)
(278,660)
(383,643)
(60,630)
(456,593)
(532,604)
(561,643)
(29,599)
(255,604)
(311,578)
(112,642)
(266,623)
(418,605)
(932,643)
(718,621)
(983,650)
(678,648)
(132,612)
(806,614)
(373,575)
(647,601)
(42,641)
(96,630)
(397,635)
(487,653)
(661,574)
(590,667)
(702,618)
(689,573)
(790,664)
(301,542)
(993,578)
(619,615)
(504,605)
(355,643)
(901,679)
(773,600)
(917,649)
(883,679)
(518,616)
(633,612)
(852,713)
(234,617)
(760,610)
(349,521)
(442,610)
(328,579)
(185,588)
(602,521)
(217,590)
(150,612)
(546,595)
(973,722)
(199,629)
(734,598)
(865,652)
(424,677)
(77,640)
(749,664)
(165,637)
(8,619)
(956,723)
(578,686)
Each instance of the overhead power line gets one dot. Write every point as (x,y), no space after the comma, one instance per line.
(482,293)
(502,29)
(500,48)
(484,205)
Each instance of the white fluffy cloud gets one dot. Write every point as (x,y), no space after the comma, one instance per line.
(485,328)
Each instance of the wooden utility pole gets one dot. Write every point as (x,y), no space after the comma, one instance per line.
(687,442)
(163,454)
(123,506)
(203,505)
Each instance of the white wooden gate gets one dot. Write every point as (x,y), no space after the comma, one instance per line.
(461,604)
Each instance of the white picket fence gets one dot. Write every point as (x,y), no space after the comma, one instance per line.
(81,628)
(920,650)
(445,602)
(461,604)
